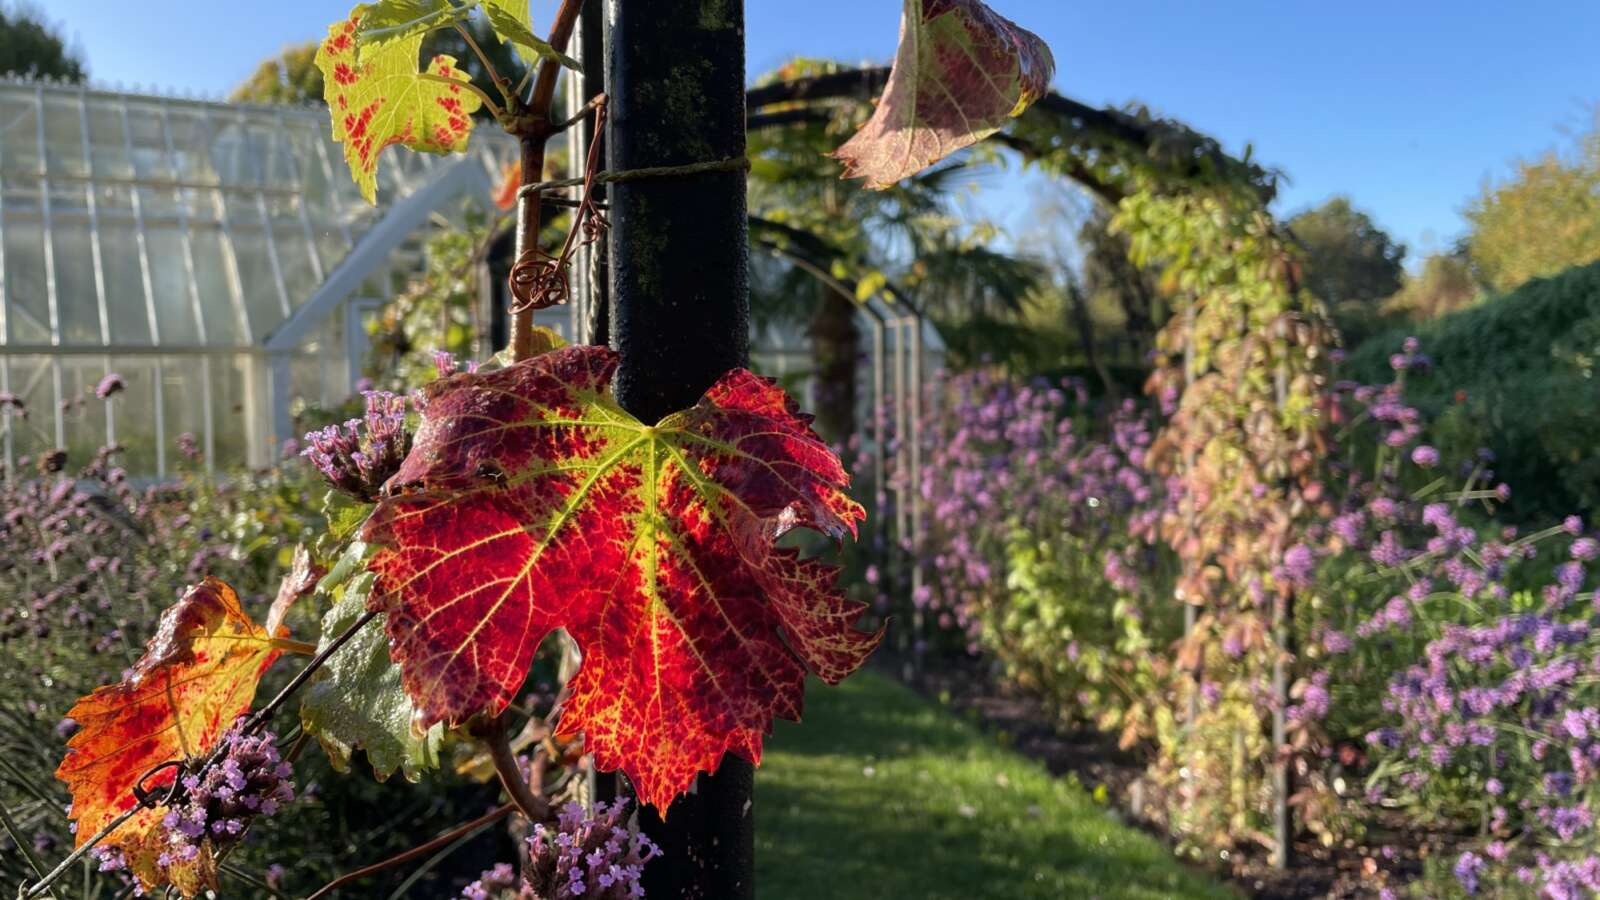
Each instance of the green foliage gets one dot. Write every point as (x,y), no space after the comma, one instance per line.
(1244,366)
(1445,285)
(32,47)
(1516,374)
(1543,219)
(1350,264)
(511,22)
(357,700)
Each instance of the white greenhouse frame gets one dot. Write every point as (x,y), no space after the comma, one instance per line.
(209,253)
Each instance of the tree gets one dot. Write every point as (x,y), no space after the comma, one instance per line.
(1541,221)
(1444,286)
(33,47)
(1351,264)
(289,77)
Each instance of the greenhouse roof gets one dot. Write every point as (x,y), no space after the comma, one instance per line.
(130,221)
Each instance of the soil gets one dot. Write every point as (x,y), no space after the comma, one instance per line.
(1075,750)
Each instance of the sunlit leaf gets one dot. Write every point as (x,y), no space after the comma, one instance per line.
(388,22)
(197,675)
(383,99)
(357,702)
(960,71)
(511,22)
(301,579)
(532,501)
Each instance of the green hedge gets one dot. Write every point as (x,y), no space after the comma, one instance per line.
(1517,375)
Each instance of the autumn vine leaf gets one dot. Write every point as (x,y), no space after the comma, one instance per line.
(960,71)
(511,23)
(383,98)
(531,500)
(198,674)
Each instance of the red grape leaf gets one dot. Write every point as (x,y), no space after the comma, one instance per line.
(532,501)
(960,71)
(197,675)
(382,99)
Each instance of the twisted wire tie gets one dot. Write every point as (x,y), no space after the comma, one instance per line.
(731,164)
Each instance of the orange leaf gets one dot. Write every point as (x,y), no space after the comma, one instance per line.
(505,193)
(197,675)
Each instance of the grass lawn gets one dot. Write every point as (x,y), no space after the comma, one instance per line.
(880,794)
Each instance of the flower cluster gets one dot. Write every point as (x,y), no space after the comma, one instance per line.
(358,456)
(588,854)
(249,780)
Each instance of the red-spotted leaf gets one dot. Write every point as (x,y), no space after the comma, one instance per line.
(960,71)
(377,97)
(532,501)
(197,675)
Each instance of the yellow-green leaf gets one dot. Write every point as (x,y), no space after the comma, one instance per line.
(383,99)
(510,21)
(388,22)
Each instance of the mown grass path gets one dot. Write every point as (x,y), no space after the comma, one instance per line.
(883,795)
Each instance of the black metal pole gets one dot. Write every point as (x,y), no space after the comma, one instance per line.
(680,319)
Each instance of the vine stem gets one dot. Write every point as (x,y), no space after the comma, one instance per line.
(532,136)
(401,859)
(260,716)
(532,806)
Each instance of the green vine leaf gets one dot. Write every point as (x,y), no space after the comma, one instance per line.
(383,99)
(388,22)
(357,701)
(511,22)
(960,71)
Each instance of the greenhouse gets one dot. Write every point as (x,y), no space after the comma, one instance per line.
(215,256)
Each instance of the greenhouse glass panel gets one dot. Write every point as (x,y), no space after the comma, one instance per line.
(124,283)
(33,382)
(234,414)
(27,297)
(215,290)
(63,137)
(19,133)
(77,287)
(169,283)
(83,415)
(184,407)
(133,414)
(108,152)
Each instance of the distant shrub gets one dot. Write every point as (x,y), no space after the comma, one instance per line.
(1517,375)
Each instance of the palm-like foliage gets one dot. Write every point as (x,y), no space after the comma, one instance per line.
(821,244)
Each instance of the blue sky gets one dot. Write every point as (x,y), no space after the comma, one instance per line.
(1406,105)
